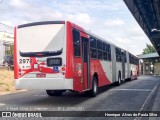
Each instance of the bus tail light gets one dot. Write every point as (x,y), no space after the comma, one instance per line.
(63,70)
(20,71)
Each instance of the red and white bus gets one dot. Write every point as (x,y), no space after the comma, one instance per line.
(60,55)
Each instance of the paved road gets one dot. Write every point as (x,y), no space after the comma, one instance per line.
(130,96)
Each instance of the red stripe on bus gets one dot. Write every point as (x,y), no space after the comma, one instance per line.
(16,74)
(69,52)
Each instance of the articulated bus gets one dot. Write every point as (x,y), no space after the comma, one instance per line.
(59,55)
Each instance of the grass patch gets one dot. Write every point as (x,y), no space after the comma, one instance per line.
(6,81)
(1,83)
(7,89)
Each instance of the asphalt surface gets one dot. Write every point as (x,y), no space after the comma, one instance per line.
(135,95)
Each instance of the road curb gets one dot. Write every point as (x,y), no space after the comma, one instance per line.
(150,97)
(156,105)
(14,92)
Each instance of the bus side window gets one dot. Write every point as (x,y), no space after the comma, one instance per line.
(130,59)
(93,42)
(118,55)
(109,52)
(100,56)
(104,51)
(99,45)
(104,55)
(93,46)
(100,49)
(125,57)
(93,53)
(76,43)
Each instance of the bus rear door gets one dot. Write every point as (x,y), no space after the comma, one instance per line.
(86,62)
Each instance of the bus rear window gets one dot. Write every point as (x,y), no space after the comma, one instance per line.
(76,43)
(40,38)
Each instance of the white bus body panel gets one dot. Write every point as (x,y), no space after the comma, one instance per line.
(107,68)
(39,38)
(41,83)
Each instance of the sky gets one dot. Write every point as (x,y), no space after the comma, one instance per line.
(109,19)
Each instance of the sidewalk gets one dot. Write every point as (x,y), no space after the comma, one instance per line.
(156,105)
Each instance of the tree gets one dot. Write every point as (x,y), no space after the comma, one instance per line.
(10,51)
(149,49)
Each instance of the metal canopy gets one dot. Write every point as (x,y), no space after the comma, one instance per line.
(147,14)
(149,55)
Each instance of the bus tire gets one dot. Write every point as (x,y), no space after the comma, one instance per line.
(118,83)
(119,80)
(54,92)
(94,89)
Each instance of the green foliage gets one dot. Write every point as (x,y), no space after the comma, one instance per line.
(7,87)
(11,51)
(1,83)
(149,49)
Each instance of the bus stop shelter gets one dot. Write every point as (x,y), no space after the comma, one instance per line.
(149,64)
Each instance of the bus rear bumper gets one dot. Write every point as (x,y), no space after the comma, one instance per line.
(47,83)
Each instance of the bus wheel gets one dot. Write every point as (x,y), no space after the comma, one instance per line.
(94,90)
(54,92)
(119,80)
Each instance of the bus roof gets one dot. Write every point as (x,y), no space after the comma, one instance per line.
(41,23)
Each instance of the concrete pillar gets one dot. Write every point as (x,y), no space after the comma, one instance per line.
(143,66)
